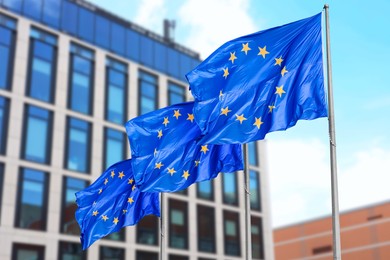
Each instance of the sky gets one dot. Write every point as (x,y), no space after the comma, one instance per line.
(298,161)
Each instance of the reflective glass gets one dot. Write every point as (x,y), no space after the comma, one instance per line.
(173,64)
(231,233)
(41,80)
(111,253)
(3,123)
(229,181)
(160,59)
(32,201)
(27,252)
(252,151)
(6,52)
(185,66)
(132,45)
(176,94)
(118,38)
(254,189)
(148,93)
(257,238)
(147,51)
(102,32)
(116,96)
(86,24)
(147,230)
(205,190)
(4,64)
(206,229)
(51,12)
(14,5)
(69,17)
(33,9)
(178,228)
(78,145)
(114,147)
(71,251)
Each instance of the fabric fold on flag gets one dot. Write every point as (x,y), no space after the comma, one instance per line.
(167,155)
(111,203)
(260,83)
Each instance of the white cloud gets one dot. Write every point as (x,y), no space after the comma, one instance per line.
(150,14)
(211,23)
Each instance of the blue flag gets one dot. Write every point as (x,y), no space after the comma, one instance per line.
(260,83)
(166,154)
(112,202)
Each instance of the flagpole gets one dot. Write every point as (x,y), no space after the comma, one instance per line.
(332,142)
(248,238)
(162,228)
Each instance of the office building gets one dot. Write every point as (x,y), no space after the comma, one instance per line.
(71,74)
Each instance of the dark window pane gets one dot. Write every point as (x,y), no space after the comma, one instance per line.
(147,230)
(14,5)
(254,189)
(176,94)
(133,45)
(205,190)
(37,134)
(32,200)
(206,229)
(231,233)
(51,12)
(114,147)
(178,227)
(118,38)
(27,252)
(68,221)
(33,9)
(257,238)
(140,255)
(78,145)
(86,24)
(69,17)
(178,257)
(4,106)
(1,182)
(229,182)
(111,253)
(117,236)
(102,32)
(252,152)
(71,251)
(147,51)
(6,56)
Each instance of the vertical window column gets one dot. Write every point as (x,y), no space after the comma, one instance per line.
(254,189)
(7,49)
(80,96)
(114,147)
(4,110)
(257,238)
(206,229)
(231,233)
(42,65)
(176,94)
(116,91)
(229,188)
(178,224)
(147,89)
(205,190)
(147,230)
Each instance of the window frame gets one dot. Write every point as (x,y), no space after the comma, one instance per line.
(254,219)
(212,197)
(12,48)
(38,248)
(237,222)
(5,124)
(105,144)
(171,206)
(140,81)
(155,234)
(214,235)
(101,248)
(224,200)
(84,253)
(170,91)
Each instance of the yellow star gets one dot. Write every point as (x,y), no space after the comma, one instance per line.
(106,181)
(176,114)
(240,118)
(280,91)
(197,163)
(263,51)
(204,149)
(133,188)
(155,151)
(258,122)
(121,175)
(171,171)
(95,213)
(166,121)
(225,72)
(284,71)
(130,200)
(159,135)
(220,94)
(158,165)
(190,117)
(130,181)
(271,108)
(115,221)
(225,111)
(124,211)
(245,48)
(104,217)
(100,191)
(278,61)
(185,175)
(112,174)
(232,57)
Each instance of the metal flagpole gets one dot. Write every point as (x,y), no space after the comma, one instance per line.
(248,234)
(332,142)
(162,228)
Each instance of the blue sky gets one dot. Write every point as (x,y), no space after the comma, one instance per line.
(298,159)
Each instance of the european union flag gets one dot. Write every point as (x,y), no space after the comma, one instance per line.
(166,154)
(112,202)
(260,83)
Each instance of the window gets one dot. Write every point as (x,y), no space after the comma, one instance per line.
(133,45)
(231,233)
(37,134)
(254,189)
(14,5)
(205,190)
(86,24)
(206,229)
(32,199)
(173,64)
(4,106)
(71,251)
(68,221)
(146,57)
(111,253)
(78,145)
(51,12)
(229,189)
(178,257)
(257,238)
(116,91)
(81,80)
(147,230)
(147,92)
(160,59)
(115,147)
(22,252)
(178,226)
(252,153)
(102,32)
(1,182)
(7,48)
(116,236)
(42,65)
(140,255)
(118,39)
(69,17)
(176,94)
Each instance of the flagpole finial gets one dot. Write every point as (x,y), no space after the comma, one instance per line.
(326,6)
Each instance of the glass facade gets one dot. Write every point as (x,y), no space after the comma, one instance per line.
(78,145)
(178,224)
(81,79)
(176,94)
(71,251)
(141,255)
(147,92)
(229,188)
(231,233)
(114,147)
(116,91)
(42,65)
(257,238)
(7,47)
(1,182)
(111,253)
(4,107)
(206,229)
(32,200)
(147,231)
(254,190)
(205,190)
(30,252)
(37,134)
